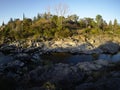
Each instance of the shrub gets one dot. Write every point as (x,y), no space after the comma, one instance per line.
(63,33)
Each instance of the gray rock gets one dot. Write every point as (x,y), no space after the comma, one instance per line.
(93,66)
(85,86)
(36,56)
(60,74)
(34,74)
(36,88)
(108,84)
(110,47)
(16,63)
(103,84)
(22,56)
(10,49)
(31,50)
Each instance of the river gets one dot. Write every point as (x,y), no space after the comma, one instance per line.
(70,58)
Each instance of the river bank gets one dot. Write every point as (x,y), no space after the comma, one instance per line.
(22,68)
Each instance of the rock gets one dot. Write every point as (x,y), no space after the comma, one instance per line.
(93,51)
(85,86)
(110,47)
(103,84)
(34,74)
(31,50)
(16,63)
(93,66)
(36,88)
(115,74)
(12,75)
(8,49)
(60,74)
(22,56)
(36,58)
(108,84)
(103,63)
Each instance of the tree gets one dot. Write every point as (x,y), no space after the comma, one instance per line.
(3,23)
(10,21)
(115,24)
(48,13)
(61,10)
(23,16)
(104,25)
(110,24)
(73,18)
(82,23)
(38,16)
(88,22)
(99,21)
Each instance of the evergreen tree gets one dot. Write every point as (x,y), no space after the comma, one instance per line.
(115,24)
(110,24)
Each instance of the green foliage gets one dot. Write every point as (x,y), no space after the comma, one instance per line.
(63,33)
(52,26)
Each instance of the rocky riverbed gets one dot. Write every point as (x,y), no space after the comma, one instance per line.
(21,66)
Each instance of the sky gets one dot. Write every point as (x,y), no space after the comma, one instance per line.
(109,9)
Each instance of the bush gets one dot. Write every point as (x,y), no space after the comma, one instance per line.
(48,33)
(63,33)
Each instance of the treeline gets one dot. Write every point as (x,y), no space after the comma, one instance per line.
(48,26)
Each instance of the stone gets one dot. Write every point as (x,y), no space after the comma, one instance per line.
(22,56)
(102,84)
(36,56)
(109,47)
(85,86)
(93,66)
(34,74)
(8,49)
(16,63)
(60,74)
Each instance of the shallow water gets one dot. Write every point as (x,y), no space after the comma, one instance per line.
(70,58)
(5,59)
(66,58)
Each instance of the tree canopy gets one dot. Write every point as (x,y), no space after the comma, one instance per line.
(54,26)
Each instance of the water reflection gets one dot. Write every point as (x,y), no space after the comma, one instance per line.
(69,58)
(116,57)
(105,56)
(5,59)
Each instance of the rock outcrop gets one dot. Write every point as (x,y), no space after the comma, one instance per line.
(29,75)
(22,68)
(71,45)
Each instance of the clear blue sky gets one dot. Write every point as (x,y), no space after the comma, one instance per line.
(109,9)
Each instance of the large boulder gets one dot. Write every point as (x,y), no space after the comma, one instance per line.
(93,65)
(22,56)
(102,84)
(8,49)
(60,74)
(110,47)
